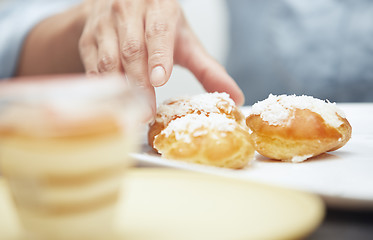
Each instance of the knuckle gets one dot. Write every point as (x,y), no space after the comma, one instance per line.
(102,23)
(174,9)
(84,42)
(162,2)
(120,7)
(177,12)
(129,5)
(157,56)
(140,84)
(137,81)
(107,64)
(117,6)
(132,49)
(157,29)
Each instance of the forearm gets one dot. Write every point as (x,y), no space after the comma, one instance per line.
(52,46)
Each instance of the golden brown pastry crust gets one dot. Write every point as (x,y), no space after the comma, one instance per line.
(231,149)
(304,134)
(224,107)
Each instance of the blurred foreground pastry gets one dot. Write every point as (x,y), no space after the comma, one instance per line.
(295,128)
(207,129)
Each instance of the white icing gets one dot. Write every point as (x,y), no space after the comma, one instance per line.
(203,103)
(198,125)
(276,109)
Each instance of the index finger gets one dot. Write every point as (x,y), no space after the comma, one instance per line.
(130,29)
(160,27)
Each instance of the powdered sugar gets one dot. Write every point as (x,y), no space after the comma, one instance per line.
(204,103)
(193,125)
(276,109)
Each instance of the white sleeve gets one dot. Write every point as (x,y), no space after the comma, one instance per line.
(17,18)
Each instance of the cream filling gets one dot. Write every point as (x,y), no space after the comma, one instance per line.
(298,159)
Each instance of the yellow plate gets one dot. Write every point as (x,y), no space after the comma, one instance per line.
(174,204)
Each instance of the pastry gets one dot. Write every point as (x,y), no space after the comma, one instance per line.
(295,128)
(207,129)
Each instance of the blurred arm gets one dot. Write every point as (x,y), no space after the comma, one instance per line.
(51,47)
(17,19)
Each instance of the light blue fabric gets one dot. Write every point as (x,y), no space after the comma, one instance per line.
(17,18)
(322,48)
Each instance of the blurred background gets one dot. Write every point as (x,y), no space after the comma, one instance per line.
(322,48)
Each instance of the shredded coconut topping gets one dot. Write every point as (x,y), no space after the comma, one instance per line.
(276,109)
(198,125)
(204,103)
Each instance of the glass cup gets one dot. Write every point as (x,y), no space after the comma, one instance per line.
(64,147)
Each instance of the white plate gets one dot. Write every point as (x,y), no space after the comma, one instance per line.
(344,178)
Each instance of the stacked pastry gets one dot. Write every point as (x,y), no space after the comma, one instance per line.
(207,129)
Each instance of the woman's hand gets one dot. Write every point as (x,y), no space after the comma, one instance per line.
(143,39)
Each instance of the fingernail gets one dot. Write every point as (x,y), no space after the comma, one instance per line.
(157,77)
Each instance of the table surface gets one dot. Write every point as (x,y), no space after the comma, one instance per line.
(345,225)
(183,205)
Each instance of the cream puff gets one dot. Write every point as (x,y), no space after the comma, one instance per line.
(207,129)
(295,128)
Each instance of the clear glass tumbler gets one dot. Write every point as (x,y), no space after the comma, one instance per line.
(64,147)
